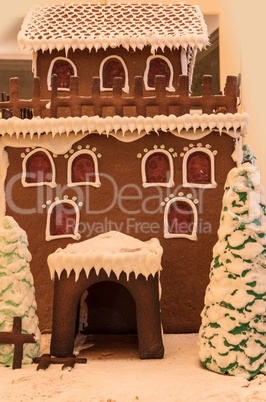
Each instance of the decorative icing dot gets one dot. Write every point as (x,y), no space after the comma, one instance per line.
(43,206)
(88,146)
(145,149)
(162,204)
(55,155)
(185,149)
(48,202)
(166,199)
(56,199)
(80,204)
(79,146)
(191,145)
(71,151)
(171,195)
(181,194)
(174,154)
(162,146)
(182,154)
(33,147)
(155,146)
(171,149)
(94,149)
(215,152)
(189,195)
(99,155)
(208,146)
(22,155)
(196,201)
(27,149)
(66,156)
(74,198)
(65,197)
(139,156)
(199,144)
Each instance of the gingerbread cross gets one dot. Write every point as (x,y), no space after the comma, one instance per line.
(18,339)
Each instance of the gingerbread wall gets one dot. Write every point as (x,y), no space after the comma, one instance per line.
(120,204)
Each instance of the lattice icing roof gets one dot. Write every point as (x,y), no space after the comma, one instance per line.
(80,26)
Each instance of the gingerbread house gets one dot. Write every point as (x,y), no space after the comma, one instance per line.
(113,141)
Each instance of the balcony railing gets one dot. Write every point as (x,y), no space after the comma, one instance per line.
(157,102)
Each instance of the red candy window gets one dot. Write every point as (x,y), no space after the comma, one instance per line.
(63,220)
(157,168)
(199,168)
(83,169)
(63,69)
(180,218)
(158,66)
(39,169)
(112,68)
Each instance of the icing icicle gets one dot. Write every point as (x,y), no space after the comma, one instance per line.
(233,331)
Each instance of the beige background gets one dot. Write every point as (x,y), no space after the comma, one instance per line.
(242,47)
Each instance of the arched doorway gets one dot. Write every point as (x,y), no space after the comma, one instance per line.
(107,308)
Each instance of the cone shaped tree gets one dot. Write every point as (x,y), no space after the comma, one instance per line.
(232,337)
(17,293)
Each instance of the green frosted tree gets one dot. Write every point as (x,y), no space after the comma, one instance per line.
(17,293)
(232,337)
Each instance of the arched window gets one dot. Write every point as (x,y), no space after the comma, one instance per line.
(198,168)
(180,219)
(62,220)
(158,65)
(83,169)
(111,67)
(157,169)
(38,169)
(63,68)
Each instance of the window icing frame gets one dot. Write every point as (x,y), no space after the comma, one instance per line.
(170,88)
(125,88)
(213,183)
(170,183)
(49,74)
(76,235)
(167,234)
(51,183)
(95,183)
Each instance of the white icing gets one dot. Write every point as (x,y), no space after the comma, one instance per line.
(95,183)
(17,295)
(75,235)
(123,127)
(112,251)
(232,334)
(49,75)
(106,25)
(126,85)
(167,234)
(51,183)
(170,183)
(170,88)
(213,184)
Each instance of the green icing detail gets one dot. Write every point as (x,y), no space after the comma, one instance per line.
(214,325)
(261,235)
(234,292)
(228,261)
(229,367)
(252,284)
(236,255)
(227,305)
(216,262)
(257,295)
(11,303)
(241,328)
(8,312)
(2,274)
(30,284)
(5,290)
(256,222)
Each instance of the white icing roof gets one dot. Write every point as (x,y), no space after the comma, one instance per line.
(80,26)
(124,127)
(112,251)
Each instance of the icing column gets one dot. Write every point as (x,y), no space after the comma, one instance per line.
(233,330)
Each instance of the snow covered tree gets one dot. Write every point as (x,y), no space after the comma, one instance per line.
(232,337)
(17,293)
